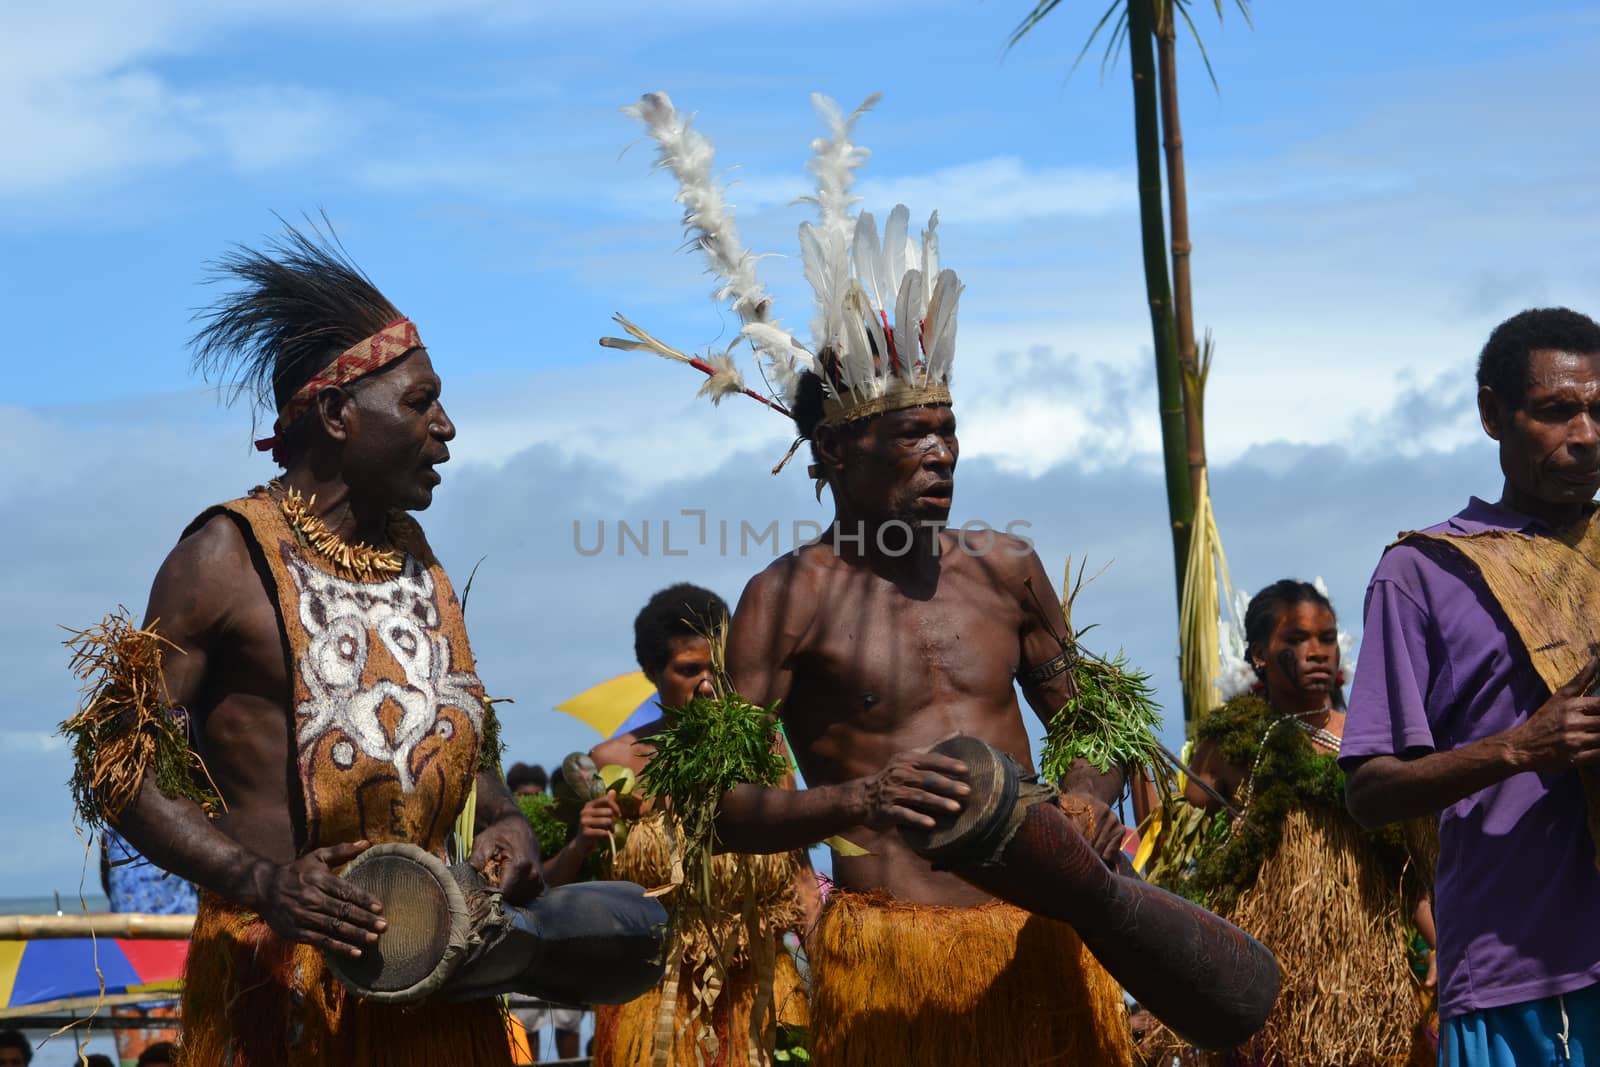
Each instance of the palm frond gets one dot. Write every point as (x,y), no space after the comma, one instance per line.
(1119,29)
(1034,17)
(1183,9)
(1119,37)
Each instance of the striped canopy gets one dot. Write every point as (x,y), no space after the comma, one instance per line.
(36,972)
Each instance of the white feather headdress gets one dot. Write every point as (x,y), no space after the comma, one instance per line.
(884,332)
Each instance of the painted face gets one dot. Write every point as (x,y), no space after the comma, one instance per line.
(359,631)
(12,1057)
(399,434)
(901,465)
(687,673)
(1302,655)
(1550,446)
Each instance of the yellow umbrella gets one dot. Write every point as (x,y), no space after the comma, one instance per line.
(606,706)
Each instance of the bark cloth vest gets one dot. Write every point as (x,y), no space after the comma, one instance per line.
(388,721)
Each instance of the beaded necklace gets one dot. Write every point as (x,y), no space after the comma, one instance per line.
(1319,735)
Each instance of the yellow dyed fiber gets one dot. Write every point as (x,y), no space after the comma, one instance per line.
(898,983)
(1199,662)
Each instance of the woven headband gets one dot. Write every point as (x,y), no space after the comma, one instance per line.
(359,360)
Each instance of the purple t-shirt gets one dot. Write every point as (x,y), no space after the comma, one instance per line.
(1517,896)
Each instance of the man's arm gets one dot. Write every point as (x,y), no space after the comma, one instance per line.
(1207,765)
(597,822)
(1562,734)
(762,640)
(505,841)
(302,901)
(1045,674)
(1392,771)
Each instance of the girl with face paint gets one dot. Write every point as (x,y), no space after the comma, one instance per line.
(1280,857)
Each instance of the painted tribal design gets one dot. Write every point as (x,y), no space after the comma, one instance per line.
(378,668)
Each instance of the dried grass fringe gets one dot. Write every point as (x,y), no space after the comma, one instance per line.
(646,858)
(716,951)
(127,728)
(1337,927)
(624,1034)
(899,983)
(251,999)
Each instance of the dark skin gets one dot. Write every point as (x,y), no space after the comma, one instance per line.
(686,674)
(1550,455)
(1300,660)
(877,655)
(382,438)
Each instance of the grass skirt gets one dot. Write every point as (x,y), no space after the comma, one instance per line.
(251,999)
(918,985)
(623,1034)
(1323,906)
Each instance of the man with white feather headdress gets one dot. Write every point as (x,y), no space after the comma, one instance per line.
(886,636)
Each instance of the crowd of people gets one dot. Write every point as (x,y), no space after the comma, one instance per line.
(976,913)
(17,1051)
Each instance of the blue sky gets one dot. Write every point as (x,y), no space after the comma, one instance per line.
(1374,187)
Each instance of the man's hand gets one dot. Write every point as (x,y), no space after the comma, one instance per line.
(597,821)
(913,788)
(306,902)
(507,853)
(1565,731)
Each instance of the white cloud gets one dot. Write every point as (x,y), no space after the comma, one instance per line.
(1006,189)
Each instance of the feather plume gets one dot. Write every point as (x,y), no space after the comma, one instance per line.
(867,256)
(855,350)
(725,380)
(706,213)
(939,331)
(896,249)
(786,356)
(930,254)
(835,160)
(908,312)
(642,342)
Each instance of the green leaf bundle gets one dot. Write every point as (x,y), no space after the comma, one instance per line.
(551,830)
(703,750)
(1111,721)
(1287,772)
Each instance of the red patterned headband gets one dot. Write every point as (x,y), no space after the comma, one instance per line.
(359,360)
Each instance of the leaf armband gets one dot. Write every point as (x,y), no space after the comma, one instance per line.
(127,729)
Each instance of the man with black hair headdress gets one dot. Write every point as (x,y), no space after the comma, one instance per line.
(303,687)
(689,1011)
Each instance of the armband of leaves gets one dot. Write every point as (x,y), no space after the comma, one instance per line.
(127,729)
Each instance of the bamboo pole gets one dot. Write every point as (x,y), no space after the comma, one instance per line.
(54,1013)
(1182,247)
(101,924)
(1169,375)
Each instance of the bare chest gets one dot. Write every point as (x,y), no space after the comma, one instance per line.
(881,655)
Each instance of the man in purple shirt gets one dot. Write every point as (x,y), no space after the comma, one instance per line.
(1449,715)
